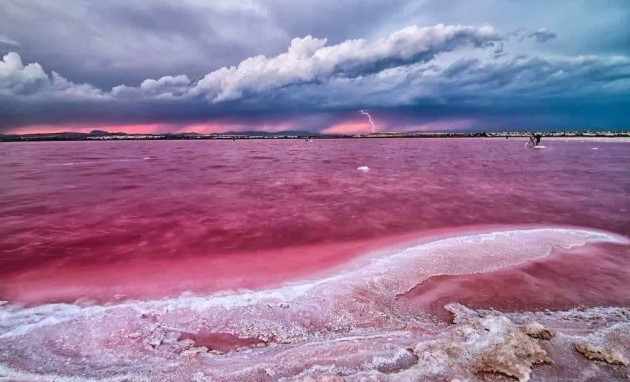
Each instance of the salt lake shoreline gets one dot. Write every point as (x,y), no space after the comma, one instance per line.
(98,135)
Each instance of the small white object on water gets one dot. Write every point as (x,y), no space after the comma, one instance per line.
(594,148)
(363,168)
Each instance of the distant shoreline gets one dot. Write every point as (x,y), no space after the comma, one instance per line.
(303,135)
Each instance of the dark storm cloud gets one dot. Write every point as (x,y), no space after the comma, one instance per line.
(187,62)
(107,43)
(308,60)
(523,87)
(311,60)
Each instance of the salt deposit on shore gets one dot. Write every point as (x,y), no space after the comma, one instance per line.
(349,326)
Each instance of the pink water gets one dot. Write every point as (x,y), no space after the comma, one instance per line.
(113,222)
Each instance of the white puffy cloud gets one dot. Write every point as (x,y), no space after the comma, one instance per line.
(309,59)
(165,87)
(19,80)
(167,82)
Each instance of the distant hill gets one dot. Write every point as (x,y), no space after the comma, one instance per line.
(98,133)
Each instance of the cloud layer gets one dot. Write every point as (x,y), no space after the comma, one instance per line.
(18,80)
(310,60)
(411,76)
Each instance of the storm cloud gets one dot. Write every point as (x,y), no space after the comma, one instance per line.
(202,66)
(308,59)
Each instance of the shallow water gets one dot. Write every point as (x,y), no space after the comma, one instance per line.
(286,245)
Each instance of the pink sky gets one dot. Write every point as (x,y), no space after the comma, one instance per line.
(356,126)
(353,125)
(155,128)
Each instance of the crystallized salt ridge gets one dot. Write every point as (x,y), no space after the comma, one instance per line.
(349,323)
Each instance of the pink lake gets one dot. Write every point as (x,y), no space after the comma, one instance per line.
(98,219)
(123,225)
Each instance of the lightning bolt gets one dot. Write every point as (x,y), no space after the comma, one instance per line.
(370,118)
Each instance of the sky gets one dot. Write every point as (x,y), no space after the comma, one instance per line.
(159,66)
